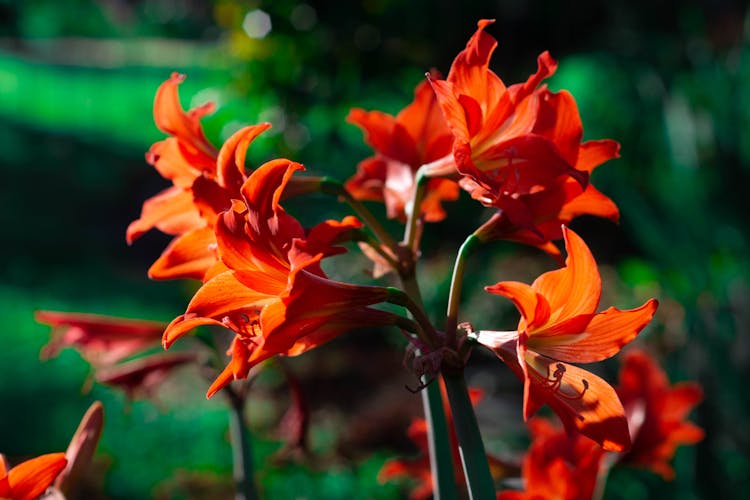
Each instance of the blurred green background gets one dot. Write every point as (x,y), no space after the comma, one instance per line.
(669,80)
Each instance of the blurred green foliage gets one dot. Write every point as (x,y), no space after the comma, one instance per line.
(669,80)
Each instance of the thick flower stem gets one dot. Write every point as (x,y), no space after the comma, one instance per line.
(336,188)
(454,296)
(415,209)
(242,457)
(473,456)
(441,456)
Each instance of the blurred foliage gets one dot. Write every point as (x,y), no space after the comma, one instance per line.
(669,80)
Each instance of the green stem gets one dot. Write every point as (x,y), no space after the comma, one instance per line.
(426,331)
(415,209)
(473,456)
(441,455)
(242,456)
(454,296)
(334,187)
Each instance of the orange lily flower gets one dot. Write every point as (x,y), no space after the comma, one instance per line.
(30,479)
(559,325)
(418,135)
(269,288)
(204,183)
(536,218)
(656,413)
(101,340)
(508,141)
(557,465)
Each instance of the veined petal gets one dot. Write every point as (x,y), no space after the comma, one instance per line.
(189,255)
(583,401)
(231,292)
(532,305)
(574,289)
(262,190)
(602,337)
(244,248)
(453,111)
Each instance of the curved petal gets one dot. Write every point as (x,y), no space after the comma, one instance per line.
(187,256)
(172,119)
(230,292)
(532,305)
(230,164)
(172,211)
(31,478)
(594,153)
(583,401)
(574,289)
(600,337)
(182,325)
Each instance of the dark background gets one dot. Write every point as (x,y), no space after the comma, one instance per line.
(669,80)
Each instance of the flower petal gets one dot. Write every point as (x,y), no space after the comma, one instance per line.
(583,401)
(532,305)
(599,337)
(189,255)
(171,211)
(574,289)
(31,478)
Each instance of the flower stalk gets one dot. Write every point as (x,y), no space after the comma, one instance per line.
(471,448)
(242,456)
(454,297)
(336,188)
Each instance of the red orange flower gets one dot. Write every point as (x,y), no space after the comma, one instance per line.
(204,183)
(506,142)
(418,135)
(557,465)
(559,325)
(656,413)
(101,340)
(536,218)
(270,289)
(519,148)
(30,479)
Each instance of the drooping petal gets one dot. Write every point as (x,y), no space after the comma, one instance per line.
(230,292)
(101,340)
(583,401)
(189,255)
(171,211)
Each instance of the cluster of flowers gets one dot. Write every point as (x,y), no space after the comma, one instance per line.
(515,149)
